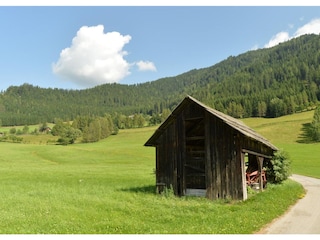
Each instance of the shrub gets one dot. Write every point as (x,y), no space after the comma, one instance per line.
(69,136)
(279,168)
(15,139)
(13,130)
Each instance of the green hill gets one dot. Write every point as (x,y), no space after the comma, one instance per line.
(262,83)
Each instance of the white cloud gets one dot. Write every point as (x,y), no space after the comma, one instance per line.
(275,40)
(94,57)
(255,47)
(309,28)
(146,66)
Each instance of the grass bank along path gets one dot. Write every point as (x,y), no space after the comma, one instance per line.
(304,216)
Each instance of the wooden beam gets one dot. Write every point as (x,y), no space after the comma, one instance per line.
(256,154)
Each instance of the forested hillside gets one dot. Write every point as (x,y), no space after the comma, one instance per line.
(265,83)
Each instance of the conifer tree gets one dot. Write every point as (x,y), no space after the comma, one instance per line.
(315,125)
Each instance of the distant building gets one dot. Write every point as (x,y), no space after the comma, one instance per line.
(201,151)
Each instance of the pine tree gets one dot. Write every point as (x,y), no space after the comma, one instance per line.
(315,125)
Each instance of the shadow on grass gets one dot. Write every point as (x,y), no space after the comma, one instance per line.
(306,135)
(149,189)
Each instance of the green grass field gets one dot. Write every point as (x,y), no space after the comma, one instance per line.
(108,187)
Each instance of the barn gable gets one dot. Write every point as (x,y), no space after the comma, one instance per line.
(199,149)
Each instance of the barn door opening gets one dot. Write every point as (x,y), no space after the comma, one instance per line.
(195,180)
(253,174)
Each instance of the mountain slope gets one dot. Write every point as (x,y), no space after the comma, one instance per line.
(266,82)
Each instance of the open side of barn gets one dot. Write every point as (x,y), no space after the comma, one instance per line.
(201,151)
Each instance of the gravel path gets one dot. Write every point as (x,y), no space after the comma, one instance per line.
(304,216)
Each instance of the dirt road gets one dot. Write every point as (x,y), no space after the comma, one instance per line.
(304,216)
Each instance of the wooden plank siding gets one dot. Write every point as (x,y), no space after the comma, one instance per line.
(224,173)
(200,148)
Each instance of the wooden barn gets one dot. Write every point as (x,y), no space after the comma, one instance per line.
(201,151)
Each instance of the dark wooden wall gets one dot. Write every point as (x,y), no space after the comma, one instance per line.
(223,154)
(224,172)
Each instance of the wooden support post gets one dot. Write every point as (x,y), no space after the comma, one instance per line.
(244,179)
(260,164)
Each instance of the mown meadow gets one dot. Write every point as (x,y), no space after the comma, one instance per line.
(108,187)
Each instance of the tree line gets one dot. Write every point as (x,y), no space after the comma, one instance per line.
(91,129)
(87,128)
(263,83)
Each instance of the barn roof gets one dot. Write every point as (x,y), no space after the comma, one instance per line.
(232,122)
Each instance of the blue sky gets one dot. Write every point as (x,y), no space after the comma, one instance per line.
(74,47)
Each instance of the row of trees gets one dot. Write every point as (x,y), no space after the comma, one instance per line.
(267,106)
(91,129)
